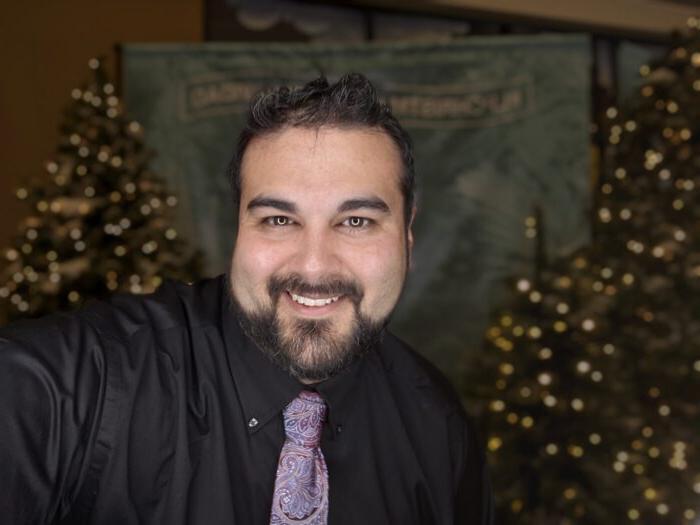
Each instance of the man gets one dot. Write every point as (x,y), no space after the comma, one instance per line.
(271,395)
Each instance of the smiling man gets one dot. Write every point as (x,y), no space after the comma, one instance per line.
(272,395)
(321,254)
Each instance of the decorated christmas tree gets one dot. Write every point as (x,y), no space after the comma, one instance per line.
(102,223)
(591,374)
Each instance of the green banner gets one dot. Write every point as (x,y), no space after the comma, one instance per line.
(500,126)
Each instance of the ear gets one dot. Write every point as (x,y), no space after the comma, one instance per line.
(409,236)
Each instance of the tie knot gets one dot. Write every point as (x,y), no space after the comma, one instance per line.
(303,419)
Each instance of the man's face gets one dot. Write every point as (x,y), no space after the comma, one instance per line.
(322,248)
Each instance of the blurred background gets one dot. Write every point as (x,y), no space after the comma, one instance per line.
(557,253)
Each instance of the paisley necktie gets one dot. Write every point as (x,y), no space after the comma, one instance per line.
(301,485)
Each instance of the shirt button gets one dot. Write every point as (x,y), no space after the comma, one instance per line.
(253,422)
(339,428)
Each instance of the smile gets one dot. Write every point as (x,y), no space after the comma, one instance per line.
(308,301)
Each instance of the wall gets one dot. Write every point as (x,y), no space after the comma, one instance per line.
(44,49)
(645,19)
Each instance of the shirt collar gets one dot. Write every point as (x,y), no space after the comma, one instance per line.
(264,389)
(337,393)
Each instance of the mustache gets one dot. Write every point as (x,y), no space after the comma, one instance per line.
(330,286)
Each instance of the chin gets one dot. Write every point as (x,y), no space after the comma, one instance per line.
(312,349)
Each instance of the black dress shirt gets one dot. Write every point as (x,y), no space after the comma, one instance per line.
(158,410)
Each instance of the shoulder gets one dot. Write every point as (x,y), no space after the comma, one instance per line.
(68,382)
(118,318)
(409,370)
(430,403)
(173,305)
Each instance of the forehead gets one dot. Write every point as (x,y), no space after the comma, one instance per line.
(321,163)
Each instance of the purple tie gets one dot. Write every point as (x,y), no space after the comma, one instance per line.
(301,485)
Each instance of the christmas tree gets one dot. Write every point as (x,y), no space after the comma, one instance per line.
(593,382)
(102,223)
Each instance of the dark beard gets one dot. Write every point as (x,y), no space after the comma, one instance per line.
(311,353)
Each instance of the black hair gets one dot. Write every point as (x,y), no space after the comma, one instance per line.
(351,102)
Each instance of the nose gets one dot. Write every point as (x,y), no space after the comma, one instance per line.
(316,256)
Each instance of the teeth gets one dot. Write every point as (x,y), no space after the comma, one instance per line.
(307,301)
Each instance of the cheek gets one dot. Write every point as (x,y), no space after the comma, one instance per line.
(381,272)
(253,263)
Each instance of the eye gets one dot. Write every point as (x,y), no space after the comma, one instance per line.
(357,222)
(278,220)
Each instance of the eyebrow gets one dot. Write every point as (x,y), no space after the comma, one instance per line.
(373,203)
(269,202)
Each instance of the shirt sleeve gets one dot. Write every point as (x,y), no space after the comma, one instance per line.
(53,383)
(474,496)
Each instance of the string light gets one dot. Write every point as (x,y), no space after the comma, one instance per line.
(588,325)
(544,378)
(576,451)
(569,493)
(506,369)
(497,405)
(523,285)
(534,332)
